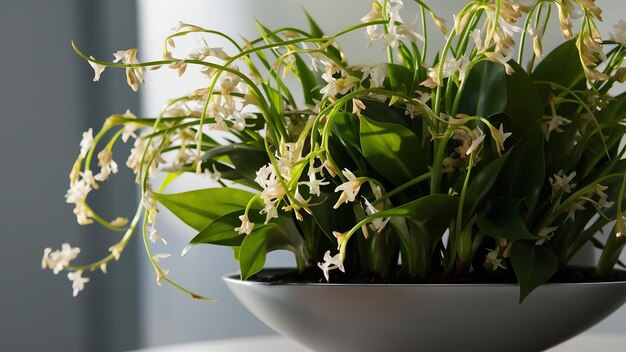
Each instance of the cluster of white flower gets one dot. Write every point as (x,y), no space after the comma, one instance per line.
(451,67)
(396,29)
(145,151)
(58,260)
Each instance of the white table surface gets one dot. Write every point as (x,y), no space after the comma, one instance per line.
(582,343)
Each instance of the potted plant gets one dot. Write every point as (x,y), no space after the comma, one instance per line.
(480,164)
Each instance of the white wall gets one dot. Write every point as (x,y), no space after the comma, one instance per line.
(168,315)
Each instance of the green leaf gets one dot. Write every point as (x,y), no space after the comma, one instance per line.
(310,88)
(400,78)
(523,174)
(427,220)
(314,28)
(485,90)
(221,231)
(481,184)
(381,112)
(247,158)
(502,219)
(346,127)
(200,207)
(328,219)
(523,103)
(273,236)
(560,66)
(533,266)
(393,151)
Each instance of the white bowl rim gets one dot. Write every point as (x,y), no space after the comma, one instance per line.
(235,279)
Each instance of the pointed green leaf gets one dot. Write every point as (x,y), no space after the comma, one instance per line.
(502,219)
(393,151)
(485,90)
(481,184)
(524,173)
(314,28)
(310,88)
(431,214)
(221,231)
(560,66)
(328,219)
(523,103)
(200,207)
(247,158)
(273,236)
(400,78)
(346,127)
(533,266)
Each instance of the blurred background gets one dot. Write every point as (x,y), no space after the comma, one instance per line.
(47,99)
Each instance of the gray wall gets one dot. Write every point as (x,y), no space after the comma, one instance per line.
(47,100)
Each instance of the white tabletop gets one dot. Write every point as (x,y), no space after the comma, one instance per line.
(273,343)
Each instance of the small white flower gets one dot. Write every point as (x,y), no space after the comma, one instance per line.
(88,177)
(155,236)
(603,202)
(161,274)
(553,123)
(376,224)
(78,191)
(119,221)
(572,209)
(357,106)
(501,58)
(328,166)
(545,235)
(97,69)
(78,282)
(620,32)
(450,67)
(107,165)
(349,189)
(375,14)
(499,137)
(150,204)
(83,214)
(561,182)
(376,74)
(330,263)
(337,86)
(246,225)
(205,51)
(86,143)
(129,128)
(186,27)
(477,139)
(157,257)
(314,184)
(272,192)
(213,176)
(493,261)
(134,76)
(59,259)
(116,250)
(479,41)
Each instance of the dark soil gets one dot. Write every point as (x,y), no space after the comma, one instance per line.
(314,275)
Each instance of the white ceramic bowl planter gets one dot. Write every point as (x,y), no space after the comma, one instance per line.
(439,317)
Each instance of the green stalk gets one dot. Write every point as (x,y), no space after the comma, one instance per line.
(440,149)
